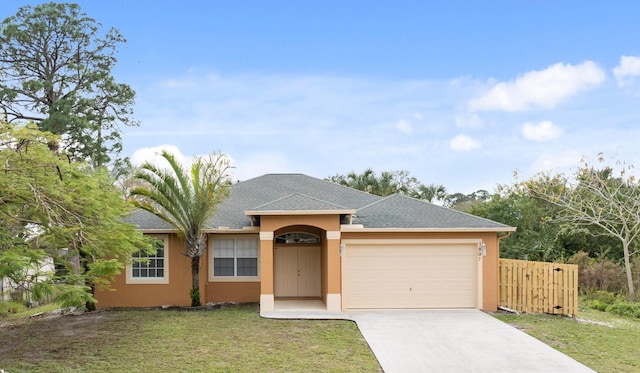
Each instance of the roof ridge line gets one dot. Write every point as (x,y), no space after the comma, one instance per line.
(320,200)
(302,195)
(376,202)
(274,201)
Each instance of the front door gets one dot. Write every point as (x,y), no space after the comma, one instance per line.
(297,271)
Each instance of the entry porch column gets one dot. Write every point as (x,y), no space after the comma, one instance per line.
(267,302)
(334,272)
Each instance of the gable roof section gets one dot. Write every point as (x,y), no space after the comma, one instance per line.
(261,191)
(402,212)
(298,203)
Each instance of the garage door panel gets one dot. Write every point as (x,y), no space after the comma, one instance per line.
(410,276)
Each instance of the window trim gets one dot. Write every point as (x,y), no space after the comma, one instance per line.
(211,258)
(154,280)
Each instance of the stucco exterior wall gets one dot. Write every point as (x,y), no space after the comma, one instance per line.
(271,223)
(175,293)
(242,292)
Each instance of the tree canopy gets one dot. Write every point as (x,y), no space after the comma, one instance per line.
(603,200)
(56,71)
(390,182)
(69,211)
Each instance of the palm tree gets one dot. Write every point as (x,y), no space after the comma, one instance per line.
(186,199)
(430,193)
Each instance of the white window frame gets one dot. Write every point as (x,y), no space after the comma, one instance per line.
(212,258)
(152,280)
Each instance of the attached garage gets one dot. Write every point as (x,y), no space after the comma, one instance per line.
(412,275)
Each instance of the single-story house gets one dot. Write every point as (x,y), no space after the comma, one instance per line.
(292,236)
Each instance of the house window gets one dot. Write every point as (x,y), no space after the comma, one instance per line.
(298,237)
(150,267)
(235,257)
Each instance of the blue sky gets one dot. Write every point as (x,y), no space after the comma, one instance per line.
(458,93)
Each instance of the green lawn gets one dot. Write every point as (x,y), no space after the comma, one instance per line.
(602,341)
(236,339)
(233,339)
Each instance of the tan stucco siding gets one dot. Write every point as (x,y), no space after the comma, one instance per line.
(333,267)
(233,292)
(489,261)
(324,276)
(175,293)
(266,266)
(272,223)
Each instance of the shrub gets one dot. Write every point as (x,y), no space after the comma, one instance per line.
(598,305)
(11,307)
(601,274)
(601,299)
(628,309)
(195,297)
(604,297)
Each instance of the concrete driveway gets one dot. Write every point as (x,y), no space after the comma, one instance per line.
(455,341)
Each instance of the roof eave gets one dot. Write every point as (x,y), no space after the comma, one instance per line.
(246,229)
(298,212)
(351,228)
(158,230)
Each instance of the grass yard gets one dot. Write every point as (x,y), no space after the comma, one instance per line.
(600,340)
(231,339)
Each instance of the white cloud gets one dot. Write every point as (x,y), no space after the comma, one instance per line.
(540,89)
(628,68)
(542,131)
(152,155)
(556,163)
(404,126)
(464,143)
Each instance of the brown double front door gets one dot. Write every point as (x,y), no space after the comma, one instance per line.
(297,271)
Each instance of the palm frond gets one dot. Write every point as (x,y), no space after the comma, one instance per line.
(185,198)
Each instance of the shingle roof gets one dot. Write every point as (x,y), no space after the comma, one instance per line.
(296,192)
(398,211)
(298,202)
(146,220)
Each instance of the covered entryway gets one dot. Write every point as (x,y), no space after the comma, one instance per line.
(411,275)
(297,271)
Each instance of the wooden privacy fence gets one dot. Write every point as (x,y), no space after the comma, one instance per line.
(539,287)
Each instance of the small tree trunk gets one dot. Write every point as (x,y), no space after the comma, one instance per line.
(195,281)
(627,267)
(91,306)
